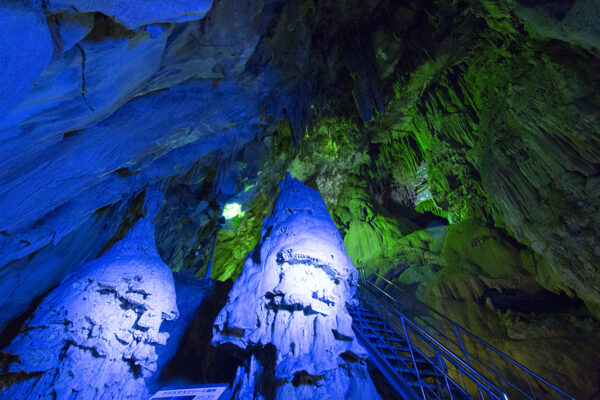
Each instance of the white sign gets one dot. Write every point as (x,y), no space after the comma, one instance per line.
(204,392)
(319,306)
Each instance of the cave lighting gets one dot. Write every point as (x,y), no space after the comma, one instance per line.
(232,210)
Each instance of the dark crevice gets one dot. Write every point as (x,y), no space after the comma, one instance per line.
(70,343)
(124,172)
(125,303)
(135,369)
(70,134)
(16,325)
(267,383)
(196,360)
(540,302)
(304,378)
(83,89)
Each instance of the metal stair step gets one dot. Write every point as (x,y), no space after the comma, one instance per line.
(408,360)
(390,347)
(368,317)
(379,322)
(364,313)
(379,338)
(360,320)
(393,347)
(378,332)
(400,352)
(381,328)
(359,308)
(422,372)
(366,324)
(415,384)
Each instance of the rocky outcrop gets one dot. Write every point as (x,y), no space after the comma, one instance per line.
(23,31)
(52,139)
(95,336)
(483,112)
(287,308)
(133,14)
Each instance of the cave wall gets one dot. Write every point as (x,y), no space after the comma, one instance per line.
(509,135)
(455,143)
(89,133)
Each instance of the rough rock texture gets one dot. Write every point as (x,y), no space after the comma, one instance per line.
(287,308)
(53,140)
(404,114)
(508,136)
(133,14)
(22,31)
(94,337)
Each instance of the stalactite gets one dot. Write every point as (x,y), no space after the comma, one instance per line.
(287,309)
(94,337)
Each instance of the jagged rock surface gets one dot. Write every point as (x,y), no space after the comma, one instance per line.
(292,295)
(497,100)
(94,337)
(108,76)
(136,13)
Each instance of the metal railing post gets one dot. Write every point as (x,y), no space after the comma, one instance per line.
(412,356)
(462,346)
(488,378)
(392,347)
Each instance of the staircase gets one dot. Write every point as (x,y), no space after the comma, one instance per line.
(393,355)
(424,355)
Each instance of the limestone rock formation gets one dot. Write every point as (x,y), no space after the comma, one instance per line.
(53,96)
(134,14)
(287,308)
(94,337)
(482,112)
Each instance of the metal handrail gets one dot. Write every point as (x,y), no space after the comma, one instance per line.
(469,357)
(476,378)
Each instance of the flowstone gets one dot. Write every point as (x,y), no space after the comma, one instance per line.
(94,336)
(288,308)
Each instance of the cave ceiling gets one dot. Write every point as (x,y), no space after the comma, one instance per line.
(456,143)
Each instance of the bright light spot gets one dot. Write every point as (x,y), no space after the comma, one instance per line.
(233,210)
(249,187)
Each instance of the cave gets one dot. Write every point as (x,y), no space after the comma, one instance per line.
(299,199)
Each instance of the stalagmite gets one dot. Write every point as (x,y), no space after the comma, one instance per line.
(94,336)
(287,309)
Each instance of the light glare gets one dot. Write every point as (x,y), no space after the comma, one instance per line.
(233,210)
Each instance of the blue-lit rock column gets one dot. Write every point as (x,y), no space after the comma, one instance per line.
(94,336)
(287,308)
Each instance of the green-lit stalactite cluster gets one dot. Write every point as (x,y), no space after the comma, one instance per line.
(236,239)
(502,120)
(233,246)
